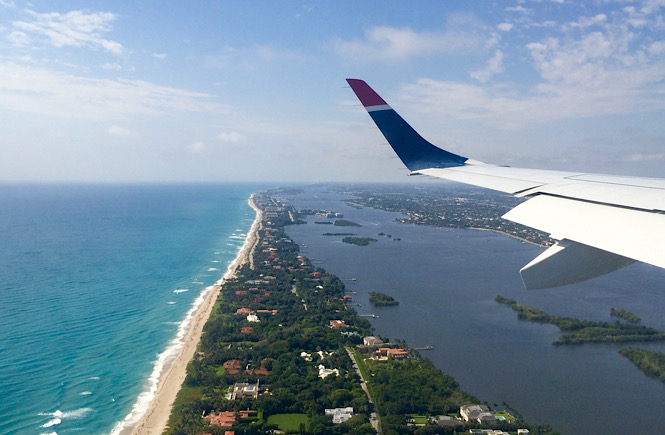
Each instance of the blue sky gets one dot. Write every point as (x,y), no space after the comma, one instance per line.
(159,91)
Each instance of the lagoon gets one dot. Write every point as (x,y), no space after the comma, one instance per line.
(446,280)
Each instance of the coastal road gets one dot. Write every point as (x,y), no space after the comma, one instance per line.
(372,417)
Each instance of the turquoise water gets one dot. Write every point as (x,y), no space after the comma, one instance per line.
(94,283)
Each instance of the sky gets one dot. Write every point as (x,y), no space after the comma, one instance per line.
(226,91)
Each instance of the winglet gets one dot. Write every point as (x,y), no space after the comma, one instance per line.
(365,94)
(415,152)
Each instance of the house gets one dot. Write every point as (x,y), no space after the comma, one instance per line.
(337,324)
(232,367)
(244,311)
(397,353)
(324,372)
(372,341)
(244,390)
(479,413)
(246,330)
(223,419)
(487,432)
(340,415)
(253,318)
(392,353)
(248,413)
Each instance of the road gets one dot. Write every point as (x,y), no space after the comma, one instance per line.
(372,417)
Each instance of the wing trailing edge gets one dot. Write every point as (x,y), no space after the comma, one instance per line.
(601,222)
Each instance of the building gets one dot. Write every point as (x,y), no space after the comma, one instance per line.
(479,413)
(232,367)
(392,353)
(337,324)
(223,419)
(324,372)
(244,390)
(372,341)
(340,415)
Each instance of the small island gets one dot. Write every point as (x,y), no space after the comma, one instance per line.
(625,315)
(345,223)
(360,241)
(382,299)
(650,362)
(585,331)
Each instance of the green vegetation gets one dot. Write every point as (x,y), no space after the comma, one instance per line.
(585,331)
(295,303)
(360,241)
(289,422)
(625,315)
(345,223)
(382,299)
(651,363)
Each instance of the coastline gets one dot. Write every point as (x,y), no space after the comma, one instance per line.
(170,371)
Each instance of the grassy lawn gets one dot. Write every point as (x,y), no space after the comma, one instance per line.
(505,415)
(418,419)
(289,422)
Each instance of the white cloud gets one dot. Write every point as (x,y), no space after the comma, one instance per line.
(20,39)
(584,22)
(116,130)
(37,90)
(396,44)
(112,66)
(519,8)
(505,27)
(492,67)
(197,148)
(231,137)
(160,56)
(75,29)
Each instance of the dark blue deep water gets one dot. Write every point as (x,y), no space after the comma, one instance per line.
(446,281)
(94,283)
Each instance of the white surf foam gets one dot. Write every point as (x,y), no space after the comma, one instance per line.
(142,403)
(212,269)
(171,303)
(52,422)
(58,416)
(181,290)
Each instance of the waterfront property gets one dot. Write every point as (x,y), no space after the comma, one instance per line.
(479,413)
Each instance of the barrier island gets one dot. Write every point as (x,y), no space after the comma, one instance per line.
(282,351)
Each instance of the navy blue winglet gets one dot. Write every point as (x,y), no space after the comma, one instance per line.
(415,152)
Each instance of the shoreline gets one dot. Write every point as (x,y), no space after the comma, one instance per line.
(172,372)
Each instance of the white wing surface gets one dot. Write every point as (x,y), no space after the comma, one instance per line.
(601,222)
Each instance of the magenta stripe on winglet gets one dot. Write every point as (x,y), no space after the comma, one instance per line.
(365,94)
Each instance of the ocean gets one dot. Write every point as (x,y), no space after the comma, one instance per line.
(95,281)
(446,279)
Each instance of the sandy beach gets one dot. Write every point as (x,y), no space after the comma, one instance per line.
(156,417)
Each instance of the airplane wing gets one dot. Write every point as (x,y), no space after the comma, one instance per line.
(601,222)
